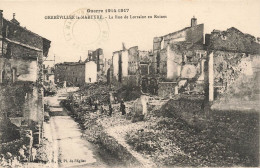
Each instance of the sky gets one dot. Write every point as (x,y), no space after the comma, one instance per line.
(70,40)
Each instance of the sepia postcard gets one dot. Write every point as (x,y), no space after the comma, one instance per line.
(129,83)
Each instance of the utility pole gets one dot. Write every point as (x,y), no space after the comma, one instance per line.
(51,60)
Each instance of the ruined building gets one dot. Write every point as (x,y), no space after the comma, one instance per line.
(226,64)
(21,76)
(234,58)
(98,57)
(130,65)
(182,63)
(179,59)
(75,73)
(79,73)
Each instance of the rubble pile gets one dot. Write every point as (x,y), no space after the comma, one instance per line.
(43,153)
(128,93)
(94,123)
(96,92)
(222,142)
(172,142)
(169,139)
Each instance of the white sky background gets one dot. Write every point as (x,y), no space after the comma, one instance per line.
(221,15)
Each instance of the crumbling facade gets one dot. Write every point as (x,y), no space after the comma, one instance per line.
(236,64)
(73,73)
(180,58)
(182,63)
(131,66)
(21,76)
(97,56)
(92,70)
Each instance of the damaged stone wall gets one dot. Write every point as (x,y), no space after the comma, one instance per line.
(233,40)
(90,73)
(166,89)
(17,69)
(133,63)
(188,34)
(14,50)
(125,63)
(184,64)
(133,60)
(144,62)
(98,57)
(163,63)
(115,59)
(174,51)
(12,99)
(173,63)
(236,75)
(144,56)
(21,74)
(14,32)
(19,94)
(71,72)
(131,80)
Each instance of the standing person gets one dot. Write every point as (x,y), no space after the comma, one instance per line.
(90,102)
(122,107)
(101,108)
(110,109)
(96,105)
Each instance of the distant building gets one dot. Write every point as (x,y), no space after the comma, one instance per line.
(98,57)
(129,65)
(73,73)
(48,74)
(108,70)
(21,75)
(92,70)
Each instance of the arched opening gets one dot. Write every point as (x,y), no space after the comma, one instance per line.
(153,86)
(144,85)
(14,75)
(2,76)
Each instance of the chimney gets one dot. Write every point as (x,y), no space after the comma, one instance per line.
(193,21)
(14,20)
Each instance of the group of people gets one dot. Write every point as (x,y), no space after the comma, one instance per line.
(99,106)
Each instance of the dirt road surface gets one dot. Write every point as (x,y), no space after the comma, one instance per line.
(70,149)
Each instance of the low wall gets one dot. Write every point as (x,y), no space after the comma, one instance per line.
(13,147)
(121,152)
(190,109)
(166,89)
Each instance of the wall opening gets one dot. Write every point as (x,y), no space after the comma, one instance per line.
(153,86)
(3,76)
(145,85)
(14,75)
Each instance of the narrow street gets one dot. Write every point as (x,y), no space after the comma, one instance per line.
(70,149)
